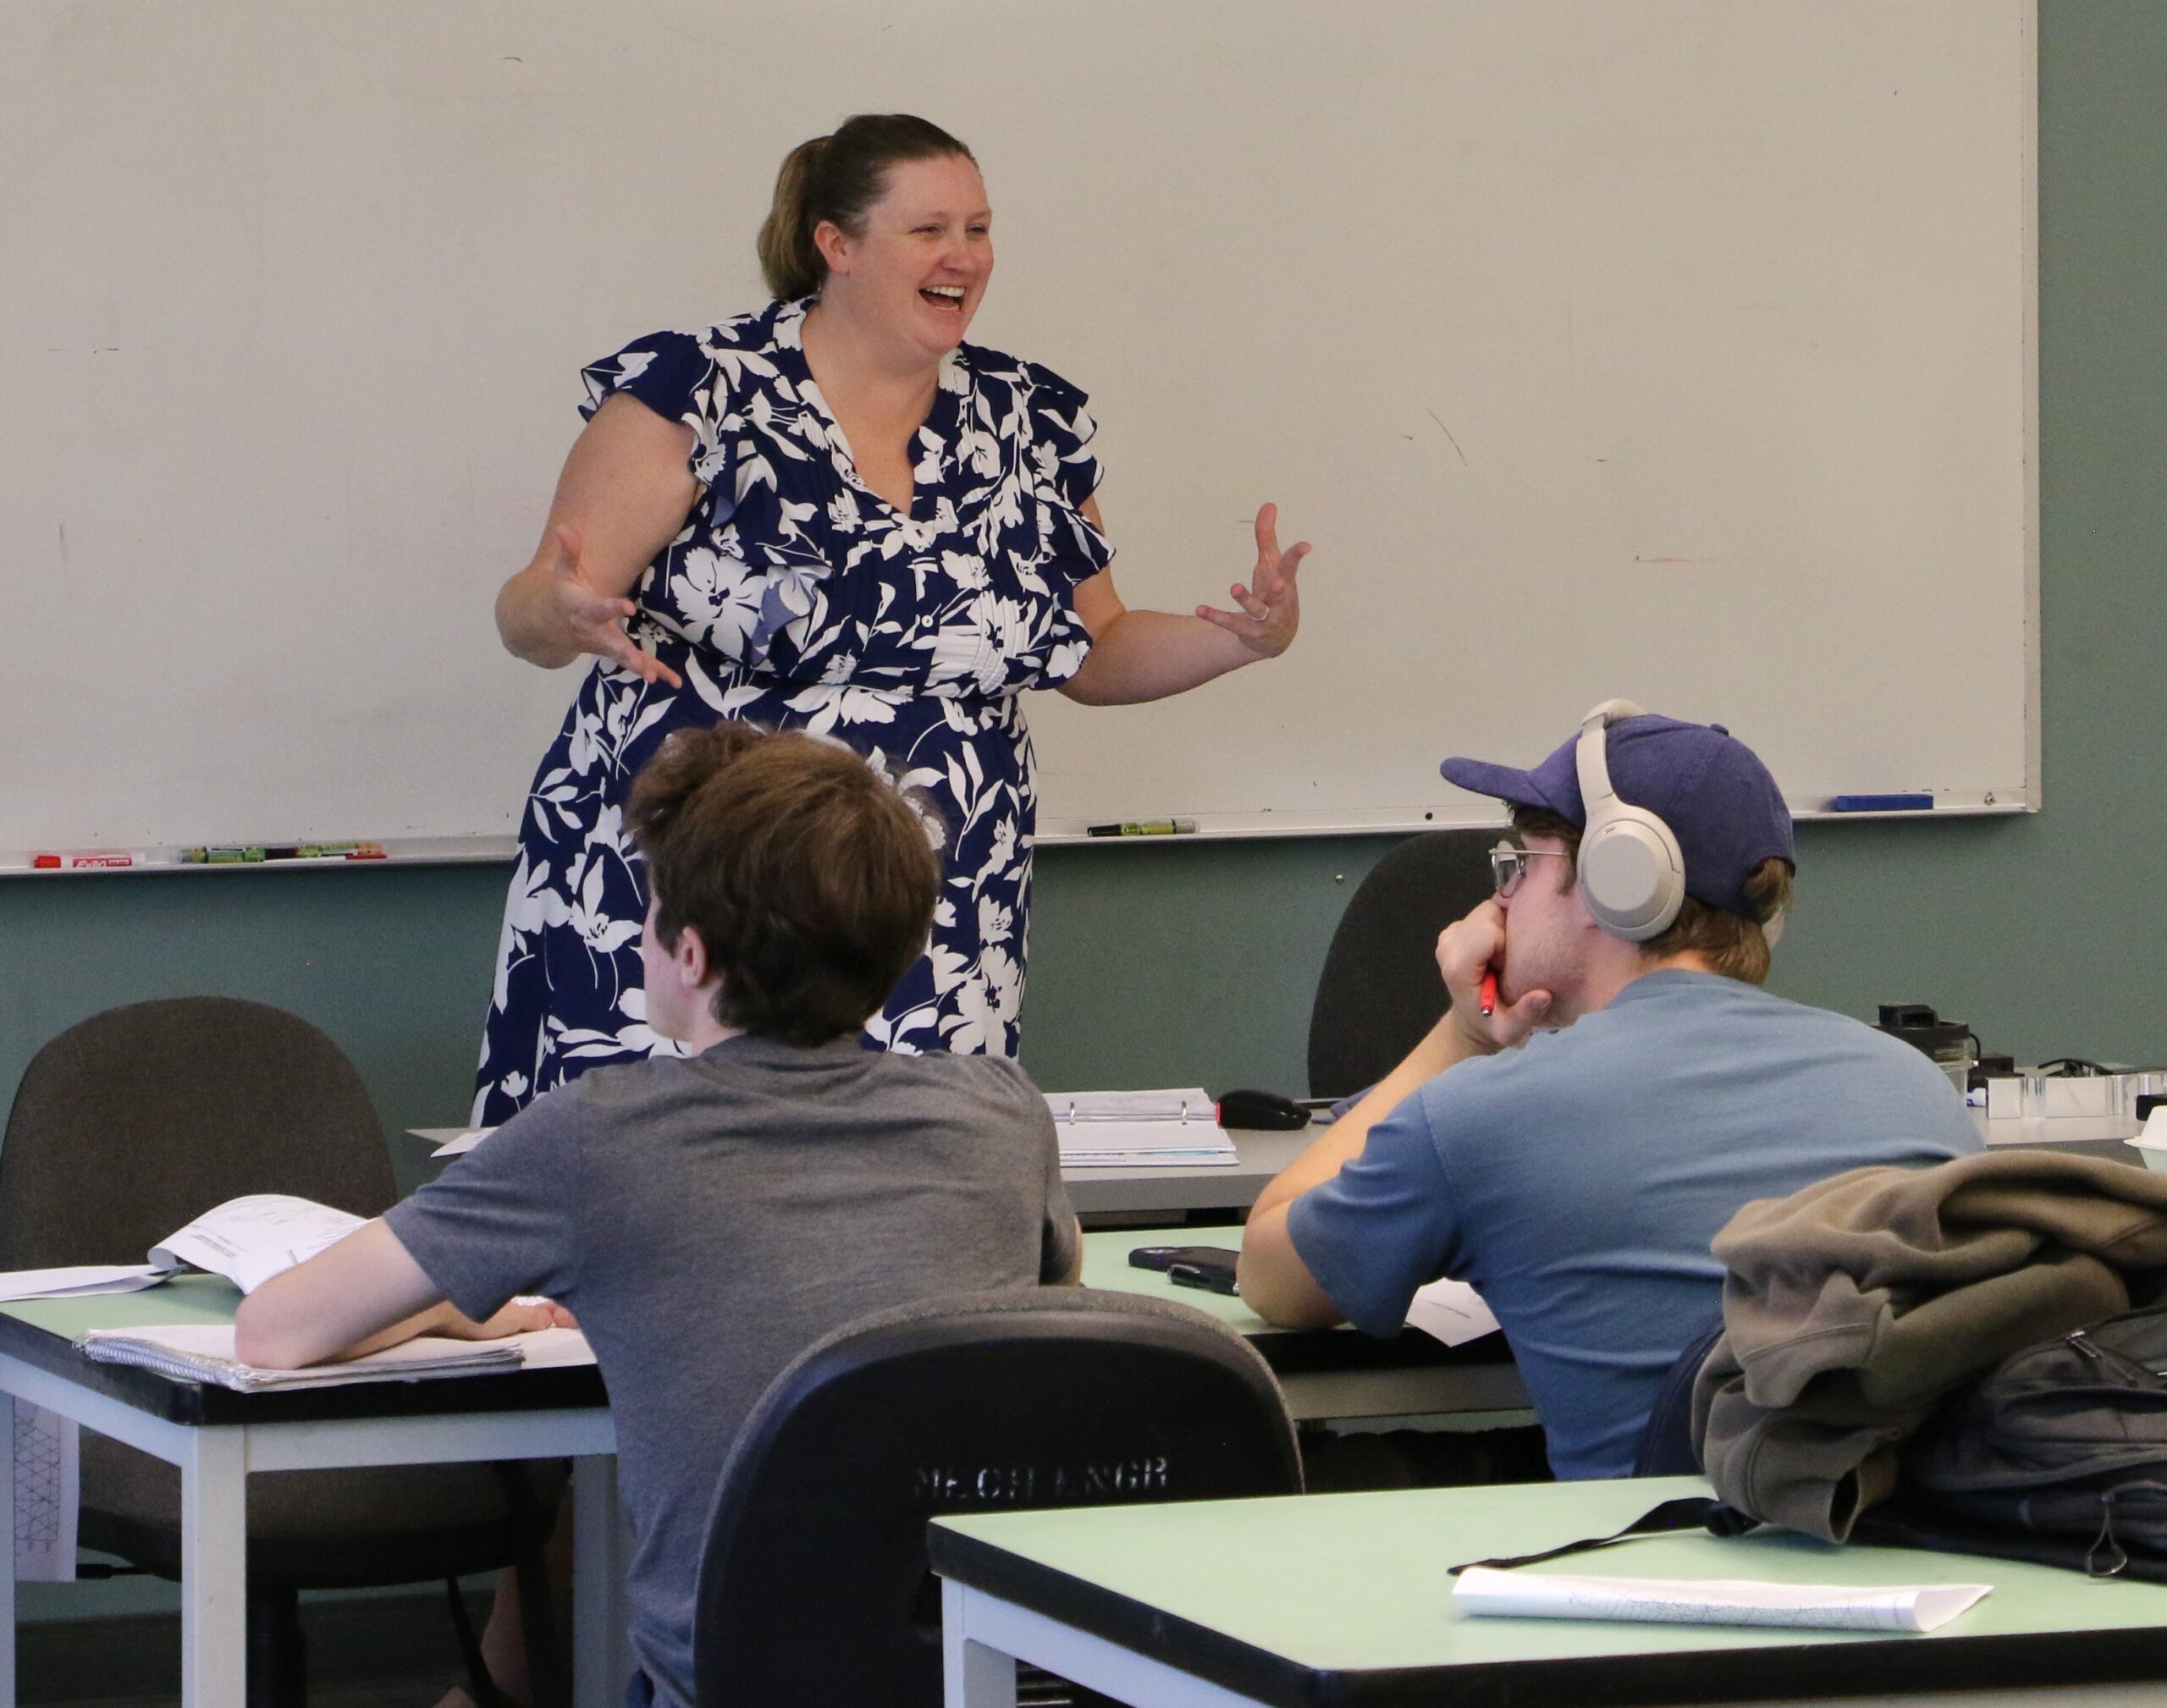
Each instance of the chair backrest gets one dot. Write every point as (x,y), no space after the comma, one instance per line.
(1380,992)
(130,1122)
(815,1590)
(1666,1438)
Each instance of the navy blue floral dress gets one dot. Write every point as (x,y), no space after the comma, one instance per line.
(796,597)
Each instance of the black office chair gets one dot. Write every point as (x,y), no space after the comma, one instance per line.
(125,1127)
(815,1590)
(1380,993)
(1666,1438)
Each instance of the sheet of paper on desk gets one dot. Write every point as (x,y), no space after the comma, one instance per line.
(1524,1594)
(553,1349)
(463,1143)
(248,1240)
(1452,1311)
(78,1280)
(1140,1129)
(204,1352)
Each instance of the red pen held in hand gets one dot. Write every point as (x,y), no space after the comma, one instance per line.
(1488,1000)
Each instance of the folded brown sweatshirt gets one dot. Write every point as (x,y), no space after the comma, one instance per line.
(1855,1305)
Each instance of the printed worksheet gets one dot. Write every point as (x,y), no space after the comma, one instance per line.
(248,1240)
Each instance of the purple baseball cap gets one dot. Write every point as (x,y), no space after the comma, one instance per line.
(1706,785)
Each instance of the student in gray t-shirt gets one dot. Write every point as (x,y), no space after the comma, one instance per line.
(706,1218)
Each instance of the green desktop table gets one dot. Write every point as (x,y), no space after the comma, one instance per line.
(1345,1600)
(1330,1373)
(219,1438)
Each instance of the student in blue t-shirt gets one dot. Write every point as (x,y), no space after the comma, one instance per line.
(1573,1153)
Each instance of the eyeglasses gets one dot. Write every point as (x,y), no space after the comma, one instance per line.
(1508,865)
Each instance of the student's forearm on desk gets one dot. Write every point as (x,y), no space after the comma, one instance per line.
(364,1293)
(1273,1277)
(1446,1045)
(1274,1282)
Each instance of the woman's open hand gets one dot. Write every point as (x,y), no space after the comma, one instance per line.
(594,621)
(1271,604)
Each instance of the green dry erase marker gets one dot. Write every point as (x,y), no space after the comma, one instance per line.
(1144,827)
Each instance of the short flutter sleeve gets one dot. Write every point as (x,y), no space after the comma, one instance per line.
(1063,428)
(674,375)
(1062,431)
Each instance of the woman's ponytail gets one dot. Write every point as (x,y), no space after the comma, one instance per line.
(789,262)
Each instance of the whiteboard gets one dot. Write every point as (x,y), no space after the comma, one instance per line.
(1676,349)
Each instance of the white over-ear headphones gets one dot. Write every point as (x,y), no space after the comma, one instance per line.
(1631,873)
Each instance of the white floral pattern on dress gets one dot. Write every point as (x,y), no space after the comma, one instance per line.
(794,595)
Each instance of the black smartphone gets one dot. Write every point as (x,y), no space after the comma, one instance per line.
(1163,1257)
(1213,1270)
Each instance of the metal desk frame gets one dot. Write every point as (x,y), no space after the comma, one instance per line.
(217,1457)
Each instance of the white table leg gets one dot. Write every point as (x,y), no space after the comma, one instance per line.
(7,1568)
(973,1676)
(601,1652)
(214,1569)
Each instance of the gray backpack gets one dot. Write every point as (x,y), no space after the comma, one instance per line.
(2058,1454)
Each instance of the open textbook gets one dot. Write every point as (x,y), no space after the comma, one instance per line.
(247,1240)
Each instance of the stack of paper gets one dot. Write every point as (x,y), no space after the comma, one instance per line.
(78,1280)
(1716,1601)
(204,1352)
(1140,1129)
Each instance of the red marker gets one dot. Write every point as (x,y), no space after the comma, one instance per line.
(84,862)
(1488,1001)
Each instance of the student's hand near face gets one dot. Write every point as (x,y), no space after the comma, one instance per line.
(1466,949)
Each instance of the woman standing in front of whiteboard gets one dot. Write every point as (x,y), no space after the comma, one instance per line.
(830,514)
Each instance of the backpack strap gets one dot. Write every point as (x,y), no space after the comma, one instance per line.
(1687,1513)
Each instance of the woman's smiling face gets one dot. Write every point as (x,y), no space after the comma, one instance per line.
(920,266)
